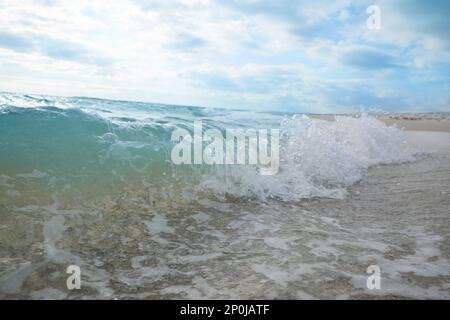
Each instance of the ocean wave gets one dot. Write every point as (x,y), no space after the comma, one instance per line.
(319,159)
(105,143)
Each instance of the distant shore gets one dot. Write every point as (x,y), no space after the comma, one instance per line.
(407,122)
(419,124)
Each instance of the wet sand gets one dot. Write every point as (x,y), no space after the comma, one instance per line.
(407,122)
(419,125)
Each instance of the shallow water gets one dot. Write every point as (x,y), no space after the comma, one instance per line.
(397,218)
(166,237)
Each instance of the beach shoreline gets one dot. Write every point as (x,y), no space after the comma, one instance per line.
(418,124)
(412,122)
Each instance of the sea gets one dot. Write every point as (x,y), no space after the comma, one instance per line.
(91,183)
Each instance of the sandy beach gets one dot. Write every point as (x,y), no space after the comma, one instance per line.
(410,122)
(417,123)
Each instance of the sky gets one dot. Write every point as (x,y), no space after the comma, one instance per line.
(299,56)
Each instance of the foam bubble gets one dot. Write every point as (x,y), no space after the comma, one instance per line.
(319,159)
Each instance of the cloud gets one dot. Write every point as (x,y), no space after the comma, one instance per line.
(293,10)
(249,79)
(427,17)
(303,18)
(51,47)
(187,42)
(369,59)
(71,51)
(14,41)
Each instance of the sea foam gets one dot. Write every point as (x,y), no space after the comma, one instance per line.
(320,158)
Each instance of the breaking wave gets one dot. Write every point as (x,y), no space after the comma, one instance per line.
(76,144)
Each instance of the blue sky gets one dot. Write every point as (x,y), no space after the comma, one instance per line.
(302,56)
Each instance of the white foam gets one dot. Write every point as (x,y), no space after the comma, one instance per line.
(158,225)
(318,159)
(36,174)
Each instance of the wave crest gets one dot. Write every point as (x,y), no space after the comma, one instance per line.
(319,158)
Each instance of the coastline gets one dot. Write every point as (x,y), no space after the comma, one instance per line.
(419,124)
(413,122)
